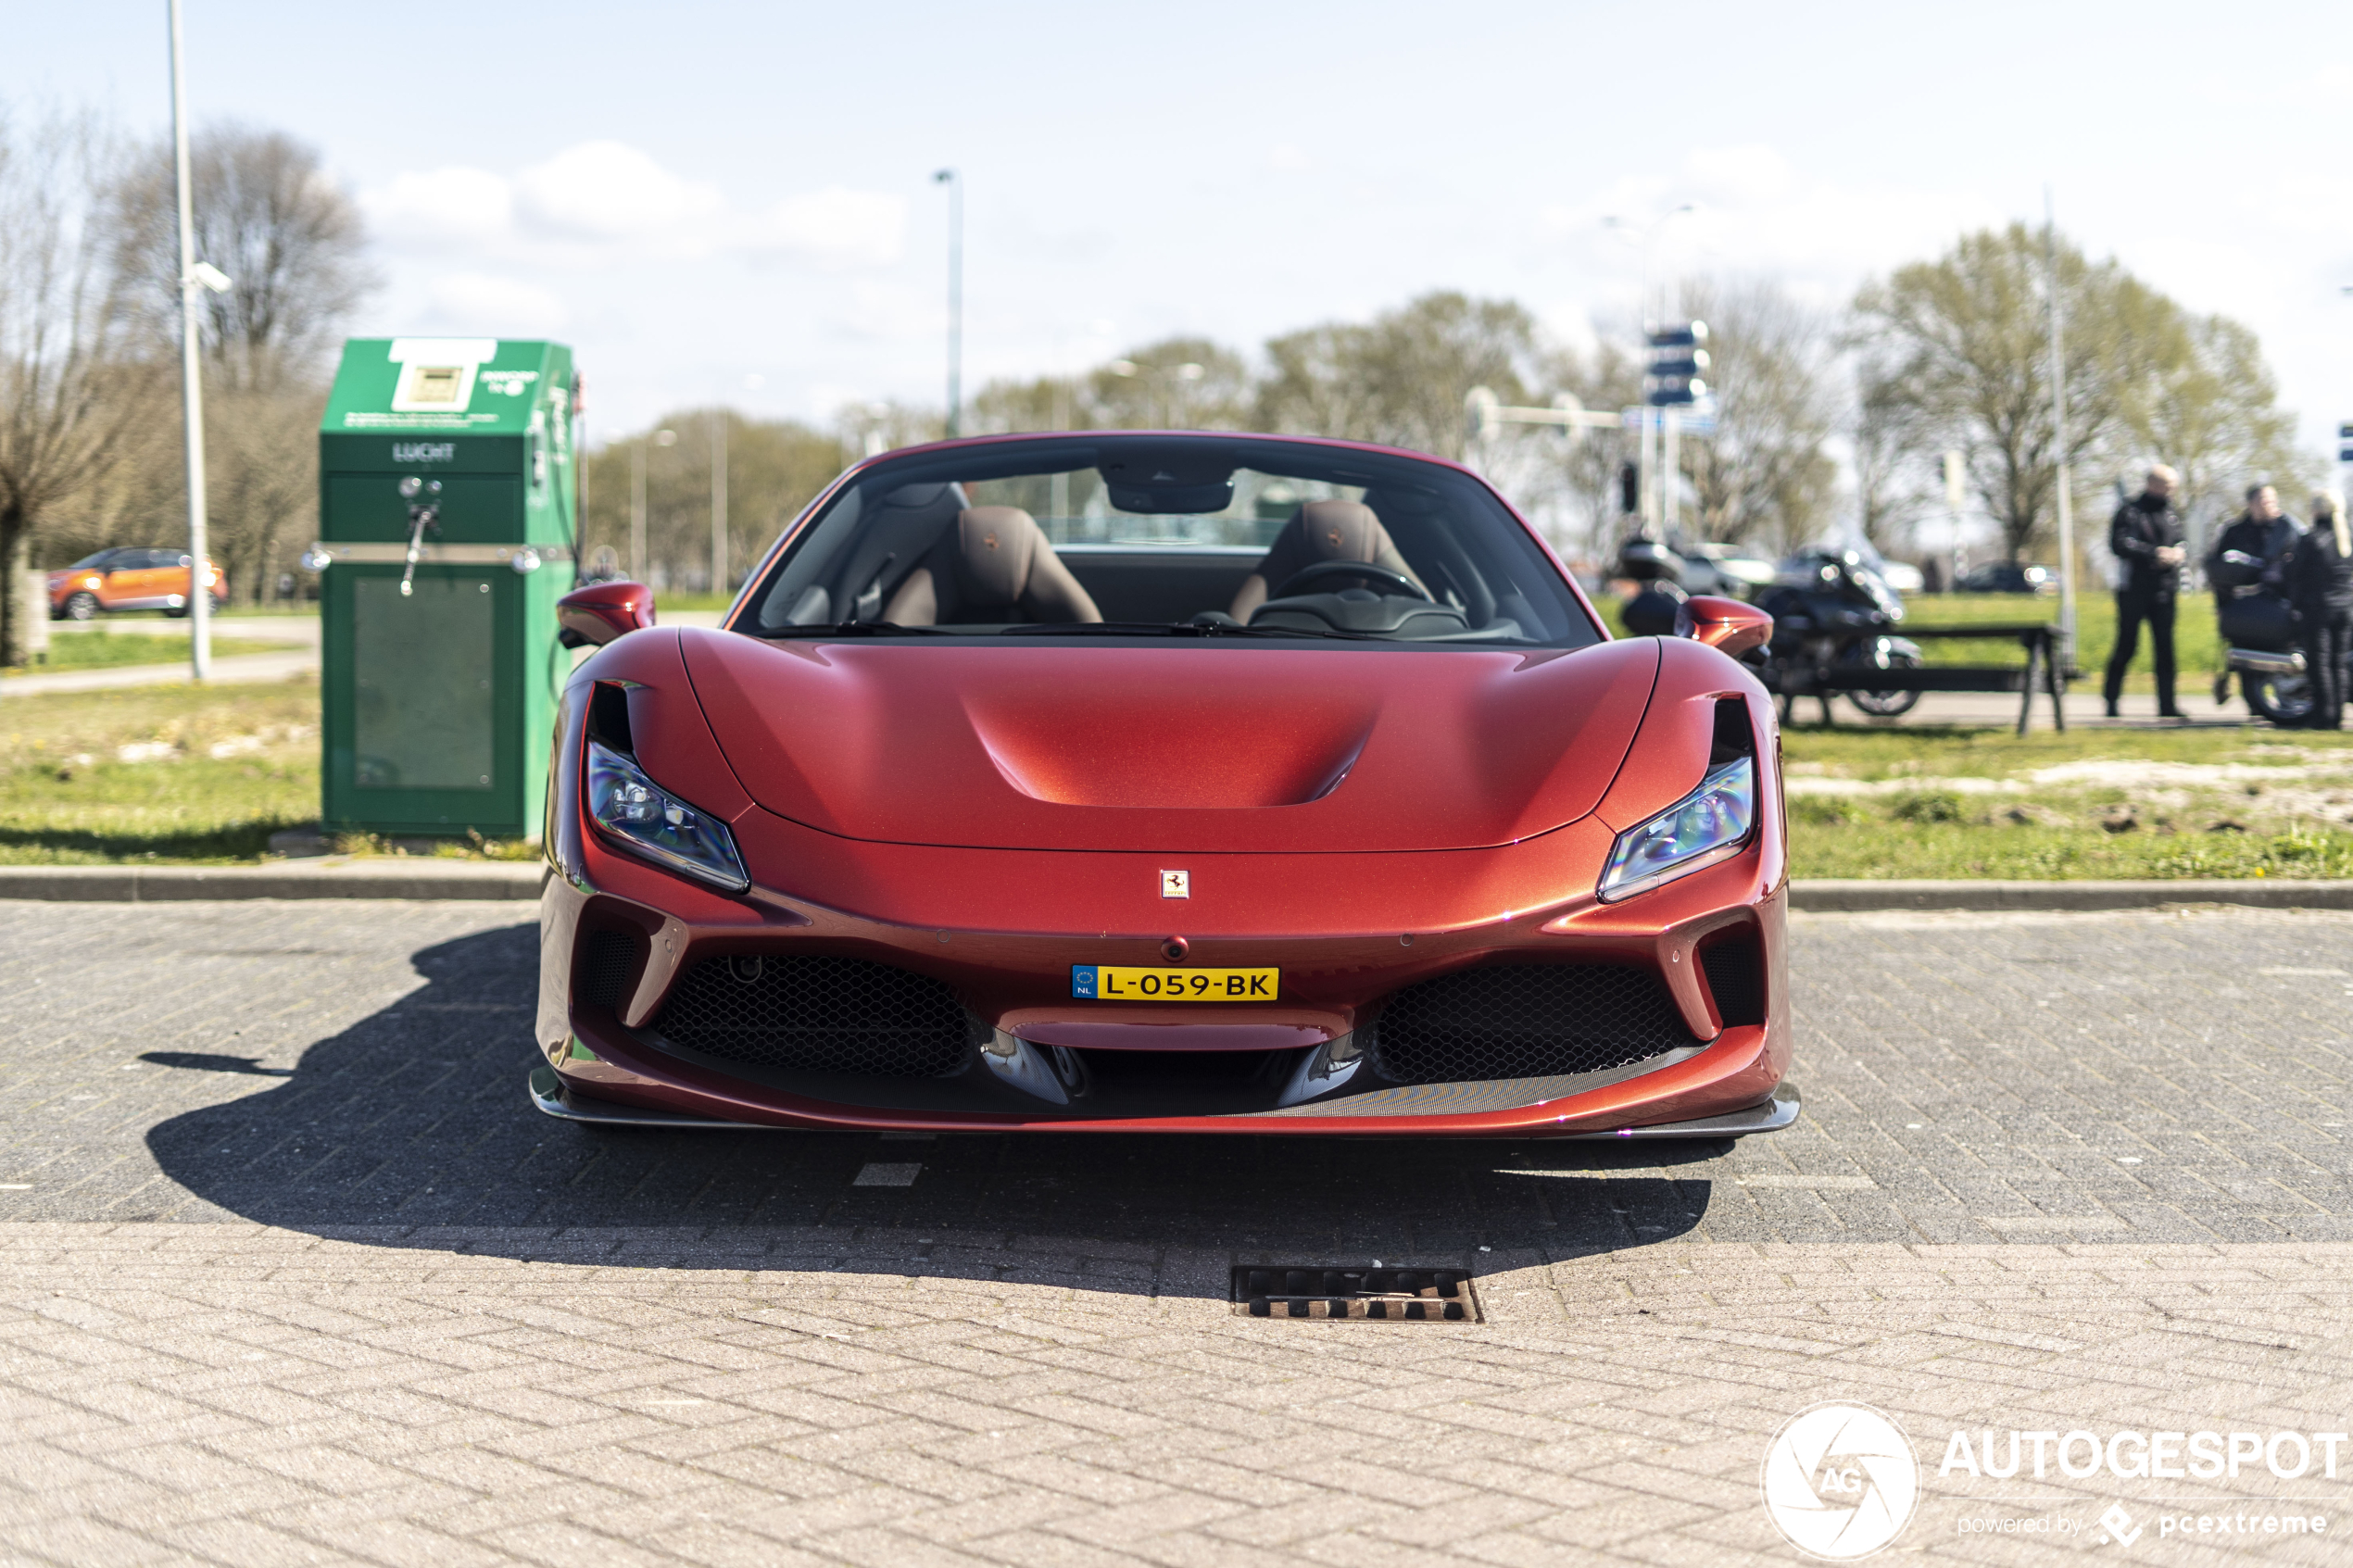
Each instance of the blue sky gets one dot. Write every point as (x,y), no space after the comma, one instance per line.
(727,200)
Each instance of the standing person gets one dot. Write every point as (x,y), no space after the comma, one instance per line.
(2264,532)
(2146,538)
(2320,582)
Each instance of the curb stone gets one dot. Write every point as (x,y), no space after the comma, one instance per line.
(425,879)
(373,878)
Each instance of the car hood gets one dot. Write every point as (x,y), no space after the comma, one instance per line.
(1153,747)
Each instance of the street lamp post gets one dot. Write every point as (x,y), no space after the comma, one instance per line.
(955,184)
(194,277)
(637,510)
(719,500)
(1655,447)
(2059,434)
(664,438)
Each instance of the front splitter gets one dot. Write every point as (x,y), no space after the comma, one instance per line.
(553,1096)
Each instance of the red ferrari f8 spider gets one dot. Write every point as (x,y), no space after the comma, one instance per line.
(1164,783)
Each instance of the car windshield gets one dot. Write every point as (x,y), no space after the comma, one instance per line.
(1203,536)
(99,559)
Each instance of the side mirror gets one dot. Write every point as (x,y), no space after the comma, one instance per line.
(1727,625)
(594,616)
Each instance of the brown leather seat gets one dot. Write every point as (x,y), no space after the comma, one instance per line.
(995,564)
(1319,531)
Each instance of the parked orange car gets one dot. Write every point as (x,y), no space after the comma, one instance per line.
(129,579)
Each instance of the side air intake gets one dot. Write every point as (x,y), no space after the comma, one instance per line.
(1525,1021)
(819,1014)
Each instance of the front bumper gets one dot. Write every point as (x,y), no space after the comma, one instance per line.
(611,1063)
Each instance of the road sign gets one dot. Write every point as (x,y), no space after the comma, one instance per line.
(1677,362)
(1686,421)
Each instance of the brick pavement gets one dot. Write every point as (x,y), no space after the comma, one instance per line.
(288,1273)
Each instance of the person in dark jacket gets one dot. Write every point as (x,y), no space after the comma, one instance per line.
(2146,538)
(2320,584)
(2264,532)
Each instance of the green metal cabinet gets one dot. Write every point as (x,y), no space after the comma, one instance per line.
(449,516)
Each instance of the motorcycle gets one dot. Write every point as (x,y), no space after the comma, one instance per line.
(2259,634)
(1832,612)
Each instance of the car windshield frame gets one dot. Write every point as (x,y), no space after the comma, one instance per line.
(1452,493)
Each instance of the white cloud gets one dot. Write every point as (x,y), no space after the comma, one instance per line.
(609,191)
(599,200)
(441,207)
(1288,157)
(479,302)
(835,228)
(1737,174)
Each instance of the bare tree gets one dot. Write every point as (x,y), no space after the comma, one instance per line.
(1566,480)
(1886,456)
(774,468)
(74,396)
(1967,338)
(267,214)
(2212,409)
(1611,377)
(1403,378)
(1177,384)
(1765,474)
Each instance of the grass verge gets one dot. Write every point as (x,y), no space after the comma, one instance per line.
(168,774)
(102,650)
(1893,849)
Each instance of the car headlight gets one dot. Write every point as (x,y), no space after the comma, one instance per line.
(627,804)
(1712,824)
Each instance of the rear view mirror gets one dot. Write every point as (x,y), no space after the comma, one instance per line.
(594,616)
(1146,480)
(1727,625)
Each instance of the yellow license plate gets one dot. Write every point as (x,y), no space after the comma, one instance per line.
(1119,983)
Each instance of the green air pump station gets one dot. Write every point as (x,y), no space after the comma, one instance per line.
(448,521)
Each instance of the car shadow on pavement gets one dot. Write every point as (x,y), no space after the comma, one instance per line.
(412,1127)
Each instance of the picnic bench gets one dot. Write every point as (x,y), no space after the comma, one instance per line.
(2044,671)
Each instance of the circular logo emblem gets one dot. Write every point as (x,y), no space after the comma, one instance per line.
(1839,1481)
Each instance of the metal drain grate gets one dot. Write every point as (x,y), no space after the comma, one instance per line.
(1381,1295)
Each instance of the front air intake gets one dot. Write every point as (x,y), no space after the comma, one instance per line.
(818,1014)
(1735,969)
(1525,1021)
(608,967)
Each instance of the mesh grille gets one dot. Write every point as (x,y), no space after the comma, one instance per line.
(1525,1021)
(608,966)
(1736,977)
(818,1014)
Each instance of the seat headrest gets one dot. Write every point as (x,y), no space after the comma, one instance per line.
(1342,530)
(999,545)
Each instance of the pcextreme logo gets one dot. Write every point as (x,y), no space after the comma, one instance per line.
(1841,1481)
